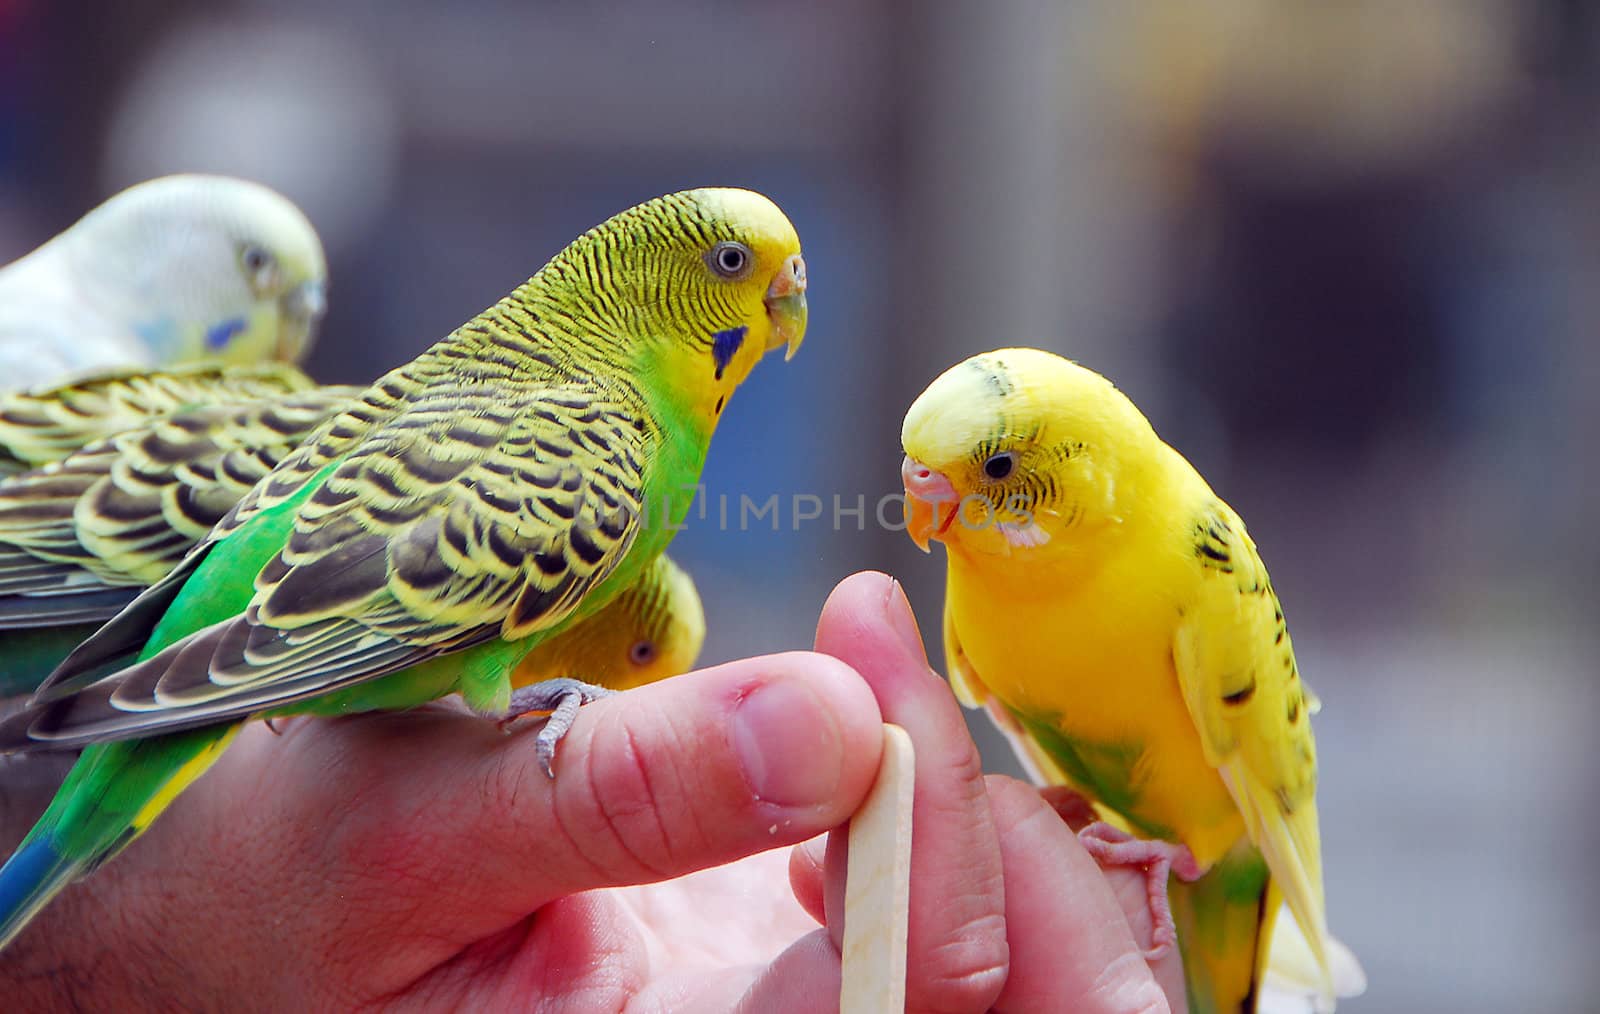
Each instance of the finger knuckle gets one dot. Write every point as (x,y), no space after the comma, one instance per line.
(1126,985)
(622,807)
(968,971)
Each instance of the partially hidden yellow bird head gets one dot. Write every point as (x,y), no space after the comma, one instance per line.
(1019,451)
(649,632)
(702,283)
(205,268)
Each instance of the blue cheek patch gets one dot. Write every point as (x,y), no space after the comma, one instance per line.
(724,344)
(218,335)
(161,335)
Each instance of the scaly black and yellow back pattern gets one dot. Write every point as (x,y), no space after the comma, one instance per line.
(121,512)
(45,425)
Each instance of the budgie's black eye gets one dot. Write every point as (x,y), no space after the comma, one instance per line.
(998,466)
(730,260)
(260,266)
(642,652)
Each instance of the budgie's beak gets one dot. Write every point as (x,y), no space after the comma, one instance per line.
(300,312)
(786,305)
(926,492)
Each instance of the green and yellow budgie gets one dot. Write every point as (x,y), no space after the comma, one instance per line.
(80,538)
(1114,616)
(484,497)
(46,424)
(173,270)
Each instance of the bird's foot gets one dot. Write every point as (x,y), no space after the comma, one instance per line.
(558,700)
(1112,846)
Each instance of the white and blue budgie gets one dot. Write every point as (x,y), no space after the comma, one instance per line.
(174,270)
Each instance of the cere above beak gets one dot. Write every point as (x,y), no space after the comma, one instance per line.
(927,491)
(307,301)
(786,305)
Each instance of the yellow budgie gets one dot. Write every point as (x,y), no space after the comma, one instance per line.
(1113,615)
(649,632)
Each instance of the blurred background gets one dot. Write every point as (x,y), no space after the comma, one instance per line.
(1335,251)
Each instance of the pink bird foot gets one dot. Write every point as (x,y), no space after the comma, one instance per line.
(1112,846)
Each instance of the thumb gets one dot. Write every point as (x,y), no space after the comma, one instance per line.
(650,784)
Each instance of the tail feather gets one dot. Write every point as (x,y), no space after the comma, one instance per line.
(1294,980)
(1291,843)
(109,797)
(1225,921)
(91,605)
(1245,953)
(28,656)
(30,878)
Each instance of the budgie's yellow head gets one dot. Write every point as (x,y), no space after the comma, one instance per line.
(697,286)
(1019,450)
(204,267)
(651,631)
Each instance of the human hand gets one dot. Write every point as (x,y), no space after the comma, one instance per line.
(1008,912)
(423,860)
(989,855)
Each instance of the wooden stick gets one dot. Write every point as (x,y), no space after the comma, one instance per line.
(877,893)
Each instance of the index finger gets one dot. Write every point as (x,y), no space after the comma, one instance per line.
(957,956)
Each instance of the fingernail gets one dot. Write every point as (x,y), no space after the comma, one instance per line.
(788,744)
(897,611)
(816,850)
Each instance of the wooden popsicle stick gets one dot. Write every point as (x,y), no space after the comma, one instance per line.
(877,893)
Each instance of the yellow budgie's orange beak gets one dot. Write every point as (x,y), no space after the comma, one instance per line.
(927,492)
(786,305)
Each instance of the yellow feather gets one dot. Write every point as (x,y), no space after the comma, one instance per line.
(649,632)
(969,689)
(181,779)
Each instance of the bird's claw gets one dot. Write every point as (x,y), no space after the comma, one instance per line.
(558,700)
(1112,846)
